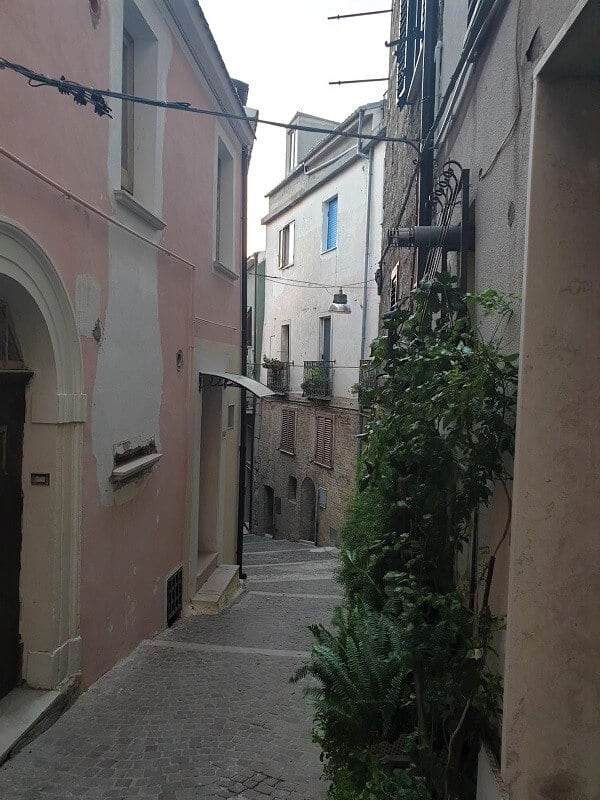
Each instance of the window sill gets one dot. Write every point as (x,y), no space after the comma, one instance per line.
(134,467)
(324,466)
(221,269)
(287,452)
(329,250)
(129,202)
(287,266)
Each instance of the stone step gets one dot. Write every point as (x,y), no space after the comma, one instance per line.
(207,563)
(219,590)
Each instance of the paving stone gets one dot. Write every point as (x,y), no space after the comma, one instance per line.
(170,723)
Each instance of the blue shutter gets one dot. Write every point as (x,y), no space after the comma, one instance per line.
(332,208)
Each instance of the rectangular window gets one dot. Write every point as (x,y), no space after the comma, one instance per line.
(231,416)
(224,207)
(127,115)
(325,338)
(324,441)
(286,246)
(330,220)
(292,151)
(249,328)
(394,288)
(285,344)
(288,431)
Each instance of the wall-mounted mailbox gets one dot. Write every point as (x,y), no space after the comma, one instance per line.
(40,479)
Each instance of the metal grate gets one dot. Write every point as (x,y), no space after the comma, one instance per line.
(318,379)
(278,378)
(174,596)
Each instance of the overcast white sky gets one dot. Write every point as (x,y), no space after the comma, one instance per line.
(288,51)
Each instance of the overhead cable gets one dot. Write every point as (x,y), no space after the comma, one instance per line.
(83,95)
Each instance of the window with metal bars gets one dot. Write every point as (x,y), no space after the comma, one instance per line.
(288,431)
(324,441)
(408,46)
(174,596)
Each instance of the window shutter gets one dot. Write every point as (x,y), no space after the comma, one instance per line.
(288,431)
(332,209)
(408,47)
(291,242)
(324,441)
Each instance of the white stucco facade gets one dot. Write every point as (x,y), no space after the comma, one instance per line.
(300,294)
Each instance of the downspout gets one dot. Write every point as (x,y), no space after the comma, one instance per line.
(363,333)
(427,120)
(254,341)
(244,360)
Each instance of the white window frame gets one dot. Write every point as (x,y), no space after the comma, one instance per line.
(224,231)
(287,243)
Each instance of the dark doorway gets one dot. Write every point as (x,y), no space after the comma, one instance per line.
(269,511)
(308,500)
(12,417)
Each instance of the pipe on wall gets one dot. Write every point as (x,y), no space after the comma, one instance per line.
(243,367)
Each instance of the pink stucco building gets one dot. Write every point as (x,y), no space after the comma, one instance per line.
(120,258)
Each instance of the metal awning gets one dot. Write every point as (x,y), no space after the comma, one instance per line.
(230,379)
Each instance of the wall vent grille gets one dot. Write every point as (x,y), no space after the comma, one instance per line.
(174,596)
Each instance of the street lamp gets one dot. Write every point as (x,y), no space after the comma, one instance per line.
(340,303)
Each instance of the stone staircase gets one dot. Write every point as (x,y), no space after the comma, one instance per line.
(216,586)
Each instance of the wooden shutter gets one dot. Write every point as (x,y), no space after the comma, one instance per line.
(288,431)
(324,441)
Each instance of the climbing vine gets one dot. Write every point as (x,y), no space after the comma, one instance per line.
(403,695)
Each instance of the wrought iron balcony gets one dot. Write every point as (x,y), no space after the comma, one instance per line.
(318,379)
(278,377)
(367,377)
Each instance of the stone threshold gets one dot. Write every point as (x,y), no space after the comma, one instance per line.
(26,713)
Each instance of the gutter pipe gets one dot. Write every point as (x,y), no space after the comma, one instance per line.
(244,366)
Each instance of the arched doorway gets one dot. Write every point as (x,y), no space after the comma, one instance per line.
(308,501)
(13,379)
(46,403)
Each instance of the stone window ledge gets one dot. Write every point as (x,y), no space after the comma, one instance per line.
(221,269)
(134,467)
(129,202)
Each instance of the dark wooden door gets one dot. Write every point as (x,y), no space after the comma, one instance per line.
(12,416)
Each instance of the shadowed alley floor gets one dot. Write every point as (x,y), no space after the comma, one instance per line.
(203,711)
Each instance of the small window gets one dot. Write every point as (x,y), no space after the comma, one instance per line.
(231,416)
(292,151)
(330,221)
(249,329)
(288,431)
(292,488)
(286,246)
(127,115)
(324,442)
(394,288)
(224,207)
(284,350)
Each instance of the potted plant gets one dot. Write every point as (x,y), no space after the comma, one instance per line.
(272,363)
(316,381)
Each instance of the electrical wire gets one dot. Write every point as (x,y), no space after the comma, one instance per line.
(83,95)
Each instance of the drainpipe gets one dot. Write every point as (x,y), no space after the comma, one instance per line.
(363,333)
(427,120)
(244,359)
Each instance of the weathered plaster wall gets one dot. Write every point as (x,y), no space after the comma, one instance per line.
(274,469)
(147,306)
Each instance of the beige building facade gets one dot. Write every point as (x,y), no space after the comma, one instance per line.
(516,99)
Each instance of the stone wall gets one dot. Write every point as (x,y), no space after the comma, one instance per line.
(291,518)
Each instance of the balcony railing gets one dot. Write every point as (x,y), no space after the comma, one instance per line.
(318,379)
(367,377)
(278,378)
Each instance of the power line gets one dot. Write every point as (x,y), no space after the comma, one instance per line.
(84,95)
(362,14)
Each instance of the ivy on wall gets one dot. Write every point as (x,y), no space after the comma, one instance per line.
(403,695)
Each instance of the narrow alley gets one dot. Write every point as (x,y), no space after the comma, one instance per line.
(205,710)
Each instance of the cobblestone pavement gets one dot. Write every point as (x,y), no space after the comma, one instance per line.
(203,711)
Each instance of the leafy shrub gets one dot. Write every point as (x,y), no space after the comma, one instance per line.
(406,660)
